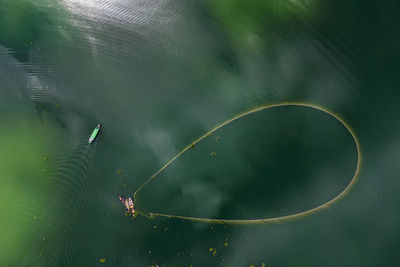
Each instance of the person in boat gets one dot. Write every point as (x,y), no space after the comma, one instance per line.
(128,203)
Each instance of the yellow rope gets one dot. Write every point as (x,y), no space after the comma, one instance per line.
(266,220)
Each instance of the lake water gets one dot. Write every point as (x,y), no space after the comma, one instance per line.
(160,74)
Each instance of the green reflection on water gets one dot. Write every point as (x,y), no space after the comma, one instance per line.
(246,20)
(21,26)
(23,191)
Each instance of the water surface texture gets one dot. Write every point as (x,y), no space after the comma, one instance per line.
(158,74)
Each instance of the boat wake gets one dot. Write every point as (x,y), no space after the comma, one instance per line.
(67,199)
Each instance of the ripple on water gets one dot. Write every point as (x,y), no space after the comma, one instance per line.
(69,187)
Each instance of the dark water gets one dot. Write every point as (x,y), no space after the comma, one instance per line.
(159,74)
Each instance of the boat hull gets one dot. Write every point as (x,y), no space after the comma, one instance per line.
(94,134)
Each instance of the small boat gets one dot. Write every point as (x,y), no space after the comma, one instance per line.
(95,133)
(128,203)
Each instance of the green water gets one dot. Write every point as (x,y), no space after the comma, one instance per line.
(158,75)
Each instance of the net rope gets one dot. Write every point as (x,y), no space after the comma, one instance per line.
(261,220)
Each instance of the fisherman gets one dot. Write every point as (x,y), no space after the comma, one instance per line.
(128,203)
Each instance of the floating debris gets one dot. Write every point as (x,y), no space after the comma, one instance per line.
(44,157)
(102,260)
(44,238)
(120,171)
(58,105)
(225,244)
(155,227)
(212,154)
(213,251)
(217,138)
(44,170)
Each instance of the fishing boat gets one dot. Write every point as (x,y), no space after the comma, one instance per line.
(94,134)
(129,205)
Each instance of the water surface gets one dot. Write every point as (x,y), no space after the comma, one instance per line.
(158,75)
